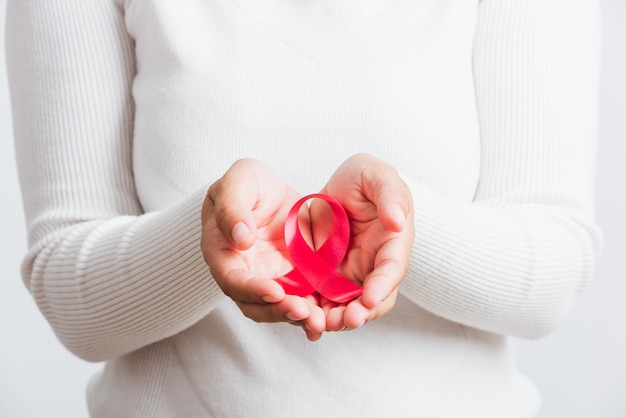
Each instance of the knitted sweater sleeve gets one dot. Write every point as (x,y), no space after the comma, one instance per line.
(514,260)
(108,278)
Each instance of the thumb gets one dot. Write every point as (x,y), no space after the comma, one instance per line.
(385,188)
(231,201)
(392,212)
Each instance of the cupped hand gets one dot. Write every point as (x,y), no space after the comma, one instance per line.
(243,217)
(380,210)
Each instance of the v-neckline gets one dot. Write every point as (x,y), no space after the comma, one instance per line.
(317,29)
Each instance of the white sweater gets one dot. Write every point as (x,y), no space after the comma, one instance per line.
(126,110)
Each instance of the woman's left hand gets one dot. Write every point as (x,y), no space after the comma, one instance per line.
(380,210)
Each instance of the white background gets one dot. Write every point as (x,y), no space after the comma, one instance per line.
(580,370)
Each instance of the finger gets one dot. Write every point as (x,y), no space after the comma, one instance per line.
(390,267)
(243,286)
(315,324)
(357,314)
(233,198)
(384,187)
(312,336)
(335,318)
(232,208)
(290,309)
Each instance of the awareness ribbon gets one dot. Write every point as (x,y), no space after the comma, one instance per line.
(316,271)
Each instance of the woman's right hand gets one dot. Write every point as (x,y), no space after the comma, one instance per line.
(243,216)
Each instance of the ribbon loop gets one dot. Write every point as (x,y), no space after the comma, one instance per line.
(317,270)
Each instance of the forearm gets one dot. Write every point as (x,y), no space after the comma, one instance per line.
(513,260)
(511,269)
(109,278)
(110,286)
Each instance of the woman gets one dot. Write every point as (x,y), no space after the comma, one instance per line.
(464,132)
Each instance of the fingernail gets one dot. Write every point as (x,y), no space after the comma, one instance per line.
(270,298)
(290,316)
(399,216)
(240,232)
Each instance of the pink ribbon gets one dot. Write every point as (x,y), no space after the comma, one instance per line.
(316,271)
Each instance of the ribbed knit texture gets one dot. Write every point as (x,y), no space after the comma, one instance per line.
(510,256)
(101,275)
(126,110)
